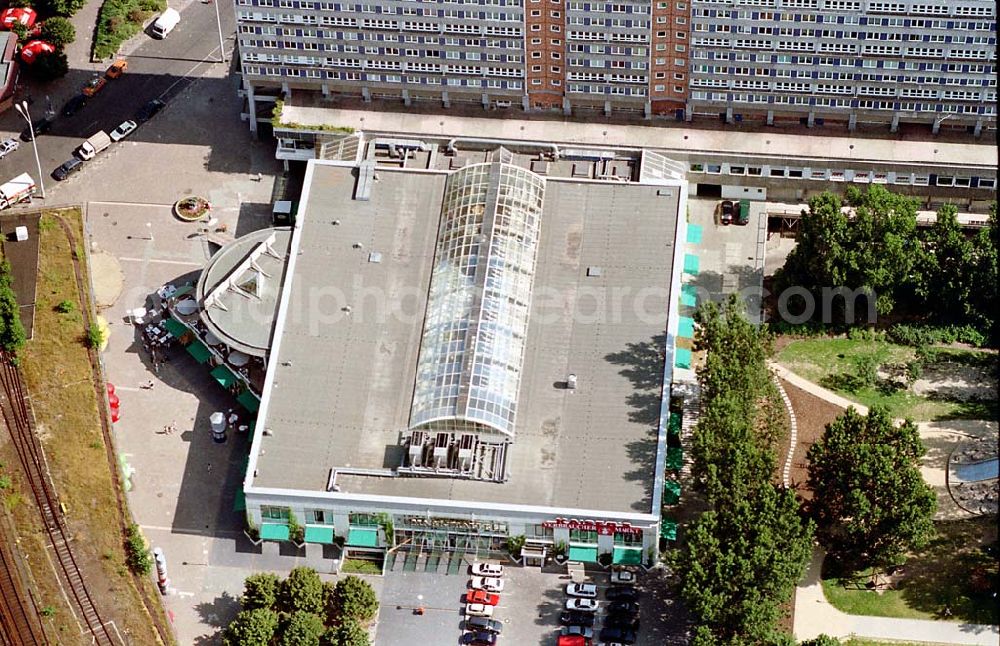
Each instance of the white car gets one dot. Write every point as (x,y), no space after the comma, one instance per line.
(583,605)
(588,590)
(7,146)
(622,576)
(123,130)
(488,583)
(487,569)
(478,610)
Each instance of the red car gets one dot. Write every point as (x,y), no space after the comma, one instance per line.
(31,51)
(13,15)
(482,596)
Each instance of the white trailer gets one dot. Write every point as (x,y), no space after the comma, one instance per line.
(20,188)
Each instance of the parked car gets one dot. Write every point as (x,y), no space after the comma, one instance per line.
(66,169)
(482,623)
(625,622)
(481,638)
(621,593)
(620,635)
(726,215)
(124,129)
(623,607)
(149,110)
(74,105)
(478,610)
(487,569)
(583,605)
(94,86)
(576,618)
(7,146)
(584,631)
(482,596)
(488,583)
(620,576)
(117,69)
(587,590)
(743,213)
(41,126)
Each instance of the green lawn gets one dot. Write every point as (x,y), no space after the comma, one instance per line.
(832,363)
(941,575)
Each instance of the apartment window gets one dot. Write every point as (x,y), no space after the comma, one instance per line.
(678,76)
(678,88)
(659,88)
(661,75)
(536,81)
(555,70)
(536,13)
(680,48)
(536,54)
(270,512)
(555,55)
(536,68)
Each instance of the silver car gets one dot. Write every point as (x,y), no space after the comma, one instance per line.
(7,146)
(123,130)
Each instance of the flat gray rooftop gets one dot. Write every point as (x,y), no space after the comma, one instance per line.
(344,380)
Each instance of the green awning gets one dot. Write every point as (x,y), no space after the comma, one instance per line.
(668,529)
(675,458)
(240,504)
(689,295)
(319,534)
(583,553)
(186,288)
(249,401)
(175,327)
(694,234)
(252,426)
(691,264)
(224,376)
(627,555)
(671,492)
(685,328)
(273,532)
(198,350)
(682,358)
(674,425)
(362,537)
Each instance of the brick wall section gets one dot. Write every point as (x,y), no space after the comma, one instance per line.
(671,23)
(545,48)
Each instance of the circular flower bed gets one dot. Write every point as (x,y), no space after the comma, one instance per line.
(191,208)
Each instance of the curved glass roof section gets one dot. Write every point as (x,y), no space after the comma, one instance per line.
(472,349)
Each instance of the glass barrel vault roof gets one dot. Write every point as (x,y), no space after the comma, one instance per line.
(472,349)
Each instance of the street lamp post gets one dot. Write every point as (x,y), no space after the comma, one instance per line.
(218,22)
(22,109)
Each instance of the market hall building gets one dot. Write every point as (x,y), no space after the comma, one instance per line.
(473,343)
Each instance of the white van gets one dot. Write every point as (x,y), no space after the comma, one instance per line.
(165,23)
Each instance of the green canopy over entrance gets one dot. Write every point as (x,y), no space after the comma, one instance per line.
(362,537)
(273,532)
(249,401)
(319,534)
(674,425)
(675,458)
(671,492)
(583,553)
(240,503)
(627,555)
(224,376)
(682,358)
(198,350)
(668,529)
(175,327)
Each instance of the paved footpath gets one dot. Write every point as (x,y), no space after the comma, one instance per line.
(814,615)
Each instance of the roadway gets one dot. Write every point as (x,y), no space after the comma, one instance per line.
(157,69)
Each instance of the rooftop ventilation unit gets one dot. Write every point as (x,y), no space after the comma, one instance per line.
(466,448)
(441,450)
(416,448)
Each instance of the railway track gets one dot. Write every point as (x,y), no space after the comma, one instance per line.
(29,451)
(20,624)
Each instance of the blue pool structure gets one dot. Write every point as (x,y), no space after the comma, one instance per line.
(977,471)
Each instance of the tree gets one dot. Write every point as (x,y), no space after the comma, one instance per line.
(59,31)
(252,628)
(354,599)
(302,629)
(821,640)
(302,590)
(50,66)
(984,305)
(948,269)
(260,590)
(12,334)
(63,7)
(348,633)
(870,502)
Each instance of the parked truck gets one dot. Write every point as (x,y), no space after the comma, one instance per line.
(97,142)
(20,188)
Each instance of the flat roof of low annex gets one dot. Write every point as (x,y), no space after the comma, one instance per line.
(344,357)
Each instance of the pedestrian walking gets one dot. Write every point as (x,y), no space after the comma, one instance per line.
(148,385)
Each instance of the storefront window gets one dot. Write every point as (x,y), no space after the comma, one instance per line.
(363,520)
(628,539)
(582,536)
(319,517)
(538,532)
(270,512)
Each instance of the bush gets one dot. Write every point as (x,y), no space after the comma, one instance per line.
(252,628)
(94,337)
(822,640)
(20,31)
(514,545)
(58,31)
(302,590)
(137,555)
(348,633)
(354,598)
(302,629)
(923,335)
(866,370)
(65,307)
(49,67)
(118,21)
(63,7)
(260,590)
(12,335)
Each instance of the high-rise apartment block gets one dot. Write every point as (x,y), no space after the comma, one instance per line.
(812,61)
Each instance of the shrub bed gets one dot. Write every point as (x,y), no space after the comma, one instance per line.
(119,20)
